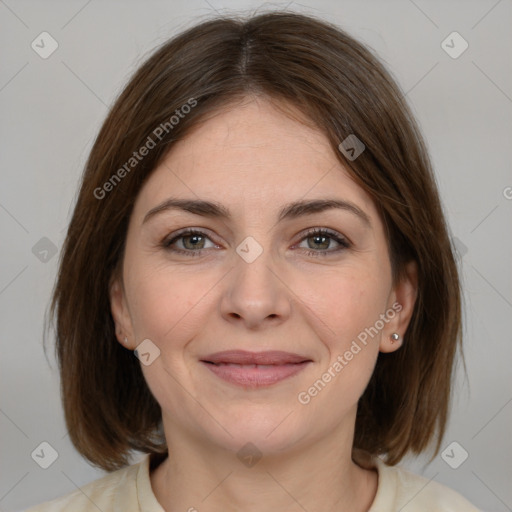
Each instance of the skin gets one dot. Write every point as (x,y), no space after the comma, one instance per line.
(254,159)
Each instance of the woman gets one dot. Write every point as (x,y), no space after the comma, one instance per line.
(258,223)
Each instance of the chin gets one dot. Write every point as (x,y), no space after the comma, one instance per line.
(268,429)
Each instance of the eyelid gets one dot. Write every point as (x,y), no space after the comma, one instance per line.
(327,231)
(343,242)
(188,232)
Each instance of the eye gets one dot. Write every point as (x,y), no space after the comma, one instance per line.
(192,241)
(321,239)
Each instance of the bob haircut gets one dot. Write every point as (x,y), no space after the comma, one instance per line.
(342,89)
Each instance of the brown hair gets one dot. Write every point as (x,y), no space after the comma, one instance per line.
(341,87)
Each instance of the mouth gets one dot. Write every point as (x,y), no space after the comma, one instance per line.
(255,369)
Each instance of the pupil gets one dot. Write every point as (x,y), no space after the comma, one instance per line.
(319,239)
(193,239)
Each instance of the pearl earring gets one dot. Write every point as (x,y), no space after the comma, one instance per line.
(125,341)
(394,337)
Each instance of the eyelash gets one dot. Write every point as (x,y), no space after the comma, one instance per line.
(344,243)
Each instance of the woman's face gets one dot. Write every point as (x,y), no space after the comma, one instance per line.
(257,280)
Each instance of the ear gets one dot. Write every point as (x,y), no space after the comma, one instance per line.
(400,308)
(120,313)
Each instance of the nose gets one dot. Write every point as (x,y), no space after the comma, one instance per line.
(256,293)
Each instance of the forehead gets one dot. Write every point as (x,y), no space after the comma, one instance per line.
(254,155)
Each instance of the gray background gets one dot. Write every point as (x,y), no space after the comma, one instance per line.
(51,110)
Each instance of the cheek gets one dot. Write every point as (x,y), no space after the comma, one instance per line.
(165,303)
(350,301)
(352,309)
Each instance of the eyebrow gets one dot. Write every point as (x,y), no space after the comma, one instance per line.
(288,212)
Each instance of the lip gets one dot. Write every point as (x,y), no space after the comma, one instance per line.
(269,357)
(255,369)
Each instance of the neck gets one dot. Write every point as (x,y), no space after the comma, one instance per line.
(317,477)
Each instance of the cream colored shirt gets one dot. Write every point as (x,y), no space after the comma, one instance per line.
(129,490)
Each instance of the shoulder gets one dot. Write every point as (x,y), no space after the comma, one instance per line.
(400,489)
(103,494)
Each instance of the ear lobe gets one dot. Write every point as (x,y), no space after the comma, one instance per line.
(391,344)
(403,301)
(120,312)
